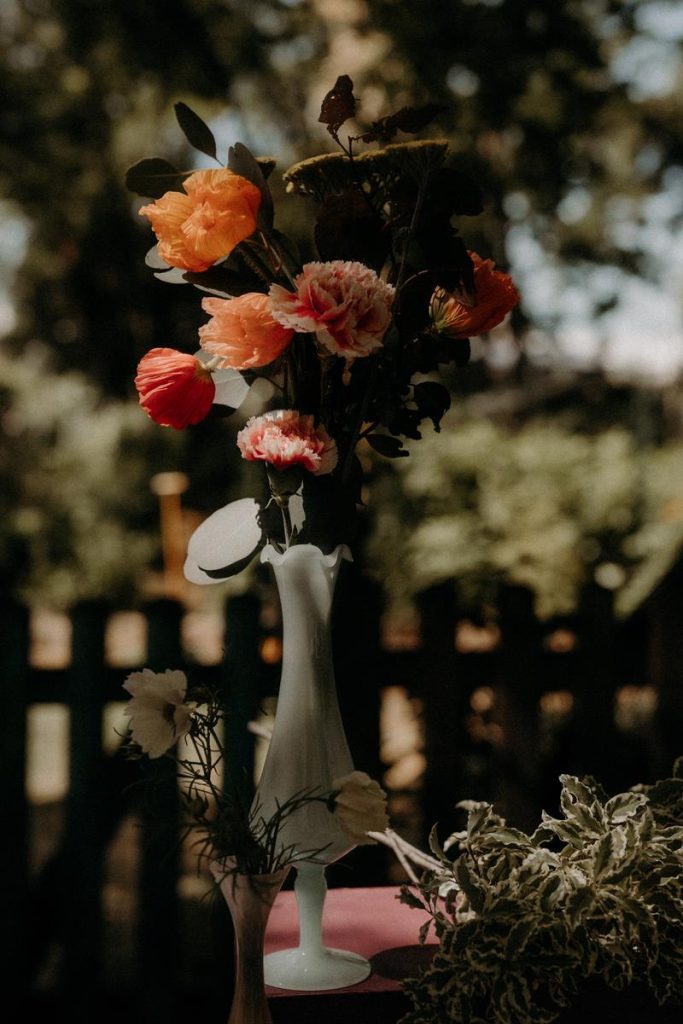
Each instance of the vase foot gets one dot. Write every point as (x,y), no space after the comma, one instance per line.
(318,971)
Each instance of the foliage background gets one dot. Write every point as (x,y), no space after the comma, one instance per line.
(568,114)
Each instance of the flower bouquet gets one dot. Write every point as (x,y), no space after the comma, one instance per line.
(344,348)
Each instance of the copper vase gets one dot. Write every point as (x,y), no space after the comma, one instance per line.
(250,899)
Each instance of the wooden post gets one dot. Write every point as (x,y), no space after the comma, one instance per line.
(83,851)
(442,712)
(666,665)
(596,743)
(158,921)
(169,487)
(14,645)
(242,673)
(517,693)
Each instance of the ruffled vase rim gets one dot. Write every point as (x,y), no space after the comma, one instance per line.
(299,552)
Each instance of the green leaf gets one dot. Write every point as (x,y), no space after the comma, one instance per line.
(408,119)
(548,890)
(410,899)
(479,815)
(579,902)
(567,831)
(604,854)
(435,843)
(638,912)
(154,260)
(338,105)
(519,936)
(508,837)
(154,177)
(225,542)
(432,400)
(196,131)
(242,161)
(386,445)
(578,789)
(467,883)
(624,806)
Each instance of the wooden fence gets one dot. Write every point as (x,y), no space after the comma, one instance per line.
(514,763)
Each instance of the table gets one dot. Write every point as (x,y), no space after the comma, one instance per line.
(369,921)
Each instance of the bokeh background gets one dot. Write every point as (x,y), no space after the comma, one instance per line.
(515,607)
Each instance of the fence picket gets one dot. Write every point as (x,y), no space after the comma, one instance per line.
(65,901)
(82,845)
(14,644)
(159,953)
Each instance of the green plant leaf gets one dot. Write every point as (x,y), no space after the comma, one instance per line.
(241,161)
(386,445)
(338,105)
(518,936)
(153,177)
(624,806)
(410,899)
(604,854)
(196,131)
(547,890)
(435,844)
(478,817)
(579,902)
(432,400)
(465,880)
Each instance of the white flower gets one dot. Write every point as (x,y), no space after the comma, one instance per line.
(360,806)
(158,713)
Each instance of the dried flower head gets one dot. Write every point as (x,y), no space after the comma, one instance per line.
(195,228)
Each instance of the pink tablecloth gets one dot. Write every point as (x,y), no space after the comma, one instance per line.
(371,922)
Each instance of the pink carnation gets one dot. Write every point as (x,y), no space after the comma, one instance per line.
(343,303)
(285,438)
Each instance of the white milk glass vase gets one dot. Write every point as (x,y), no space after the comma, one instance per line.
(308,750)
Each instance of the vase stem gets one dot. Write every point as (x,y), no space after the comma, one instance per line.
(310,888)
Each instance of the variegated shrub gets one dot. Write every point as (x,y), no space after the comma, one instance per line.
(524,921)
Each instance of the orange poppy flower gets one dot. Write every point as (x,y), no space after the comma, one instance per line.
(458,316)
(175,389)
(242,332)
(204,223)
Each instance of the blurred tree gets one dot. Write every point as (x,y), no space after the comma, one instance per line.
(554,108)
(545,506)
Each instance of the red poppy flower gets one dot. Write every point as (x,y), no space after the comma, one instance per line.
(458,316)
(175,389)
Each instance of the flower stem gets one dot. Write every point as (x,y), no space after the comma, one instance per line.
(283,504)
